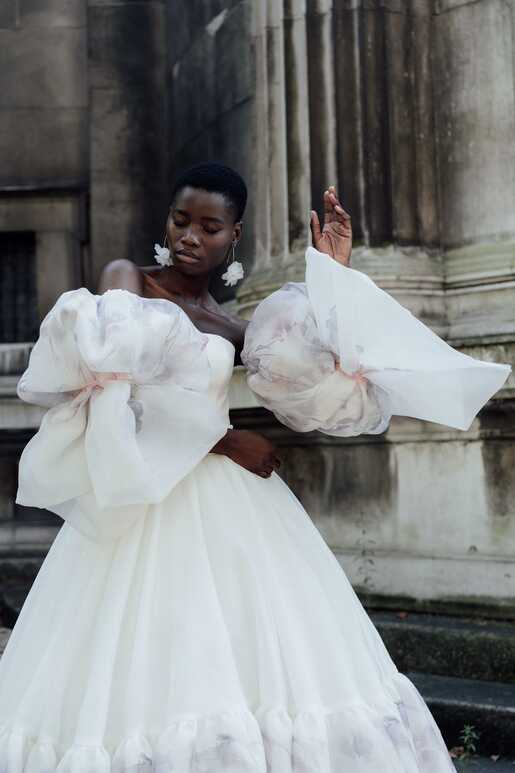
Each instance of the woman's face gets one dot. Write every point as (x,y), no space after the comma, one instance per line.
(200,230)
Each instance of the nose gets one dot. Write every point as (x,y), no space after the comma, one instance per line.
(189,238)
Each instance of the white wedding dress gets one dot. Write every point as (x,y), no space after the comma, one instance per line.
(189,617)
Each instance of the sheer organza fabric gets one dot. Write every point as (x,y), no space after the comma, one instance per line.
(294,373)
(186,647)
(127,381)
(388,361)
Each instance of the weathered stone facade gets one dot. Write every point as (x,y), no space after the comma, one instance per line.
(408,106)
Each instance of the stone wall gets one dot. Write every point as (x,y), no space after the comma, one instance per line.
(409,109)
(44,94)
(128,130)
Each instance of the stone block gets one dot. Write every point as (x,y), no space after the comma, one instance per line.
(483,311)
(38,145)
(127,150)
(111,129)
(14,358)
(194,108)
(8,14)
(234,78)
(8,486)
(49,65)
(213,76)
(44,212)
(185,21)
(126,46)
(126,221)
(17,415)
(57,267)
(52,13)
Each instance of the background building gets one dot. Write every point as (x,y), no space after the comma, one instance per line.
(408,107)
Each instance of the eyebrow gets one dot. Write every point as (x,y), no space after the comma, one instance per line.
(204,217)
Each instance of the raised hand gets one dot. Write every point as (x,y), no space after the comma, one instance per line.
(335,238)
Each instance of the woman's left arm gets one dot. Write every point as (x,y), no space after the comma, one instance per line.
(339,354)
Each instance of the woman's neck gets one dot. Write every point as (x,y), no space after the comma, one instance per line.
(192,288)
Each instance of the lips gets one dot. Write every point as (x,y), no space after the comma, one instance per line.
(188,257)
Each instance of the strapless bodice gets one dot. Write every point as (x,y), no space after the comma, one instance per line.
(220,353)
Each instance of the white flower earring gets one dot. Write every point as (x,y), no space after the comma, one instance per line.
(234,270)
(162,254)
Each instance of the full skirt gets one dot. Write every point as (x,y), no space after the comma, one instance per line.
(219,634)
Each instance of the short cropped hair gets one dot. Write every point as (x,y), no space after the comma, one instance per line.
(215,178)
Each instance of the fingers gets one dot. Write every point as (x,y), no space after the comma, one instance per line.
(328,203)
(333,213)
(337,203)
(333,208)
(269,468)
(314,223)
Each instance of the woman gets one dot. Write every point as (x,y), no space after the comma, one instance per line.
(189,617)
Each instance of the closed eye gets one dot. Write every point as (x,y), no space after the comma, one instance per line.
(207,230)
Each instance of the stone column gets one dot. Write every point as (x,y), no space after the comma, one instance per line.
(475,128)
(322,107)
(278,178)
(285,144)
(297,123)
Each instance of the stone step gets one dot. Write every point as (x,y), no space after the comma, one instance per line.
(449,646)
(484,765)
(11,602)
(4,638)
(489,707)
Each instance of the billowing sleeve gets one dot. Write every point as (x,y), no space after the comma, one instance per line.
(126,383)
(338,354)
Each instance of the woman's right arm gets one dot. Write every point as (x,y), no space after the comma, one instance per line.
(121,275)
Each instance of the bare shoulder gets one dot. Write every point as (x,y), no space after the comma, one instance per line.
(121,274)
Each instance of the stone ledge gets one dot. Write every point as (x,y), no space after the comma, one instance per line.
(14,359)
(485,582)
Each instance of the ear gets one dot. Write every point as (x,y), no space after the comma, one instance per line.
(237,229)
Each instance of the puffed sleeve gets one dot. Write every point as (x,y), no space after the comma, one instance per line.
(126,383)
(338,354)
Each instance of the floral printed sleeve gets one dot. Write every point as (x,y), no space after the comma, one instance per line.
(338,354)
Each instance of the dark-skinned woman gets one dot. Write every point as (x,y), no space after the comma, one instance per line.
(189,617)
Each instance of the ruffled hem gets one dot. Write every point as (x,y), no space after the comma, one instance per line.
(397,734)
